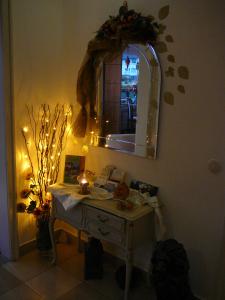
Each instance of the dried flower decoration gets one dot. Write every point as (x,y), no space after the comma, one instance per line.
(25,193)
(31,206)
(46,206)
(29,176)
(37,212)
(21,207)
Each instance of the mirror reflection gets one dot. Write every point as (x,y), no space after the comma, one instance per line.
(129,101)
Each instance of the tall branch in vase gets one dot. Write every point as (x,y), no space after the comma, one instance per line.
(48,131)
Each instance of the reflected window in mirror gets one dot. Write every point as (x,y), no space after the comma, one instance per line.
(129,101)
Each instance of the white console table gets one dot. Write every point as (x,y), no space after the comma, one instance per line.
(129,230)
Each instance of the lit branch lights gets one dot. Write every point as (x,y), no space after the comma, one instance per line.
(48,132)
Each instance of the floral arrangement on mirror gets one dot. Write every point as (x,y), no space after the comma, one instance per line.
(45,138)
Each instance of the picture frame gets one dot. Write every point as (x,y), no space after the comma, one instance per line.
(74,166)
(117,175)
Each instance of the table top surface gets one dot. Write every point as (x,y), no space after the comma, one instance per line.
(107,205)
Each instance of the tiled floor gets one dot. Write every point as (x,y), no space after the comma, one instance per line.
(33,278)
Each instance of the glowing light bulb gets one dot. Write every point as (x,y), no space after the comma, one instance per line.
(48,196)
(25,129)
(49,180)
(47,121)
(25,166)
(53,168)
(47,134)
(54,128)
(52,157)
(85,148)
(106,145)
(107,121)
(58,153)
(92,132)
(53,146)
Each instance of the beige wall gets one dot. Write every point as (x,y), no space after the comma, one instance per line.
(50,38)
(41,69)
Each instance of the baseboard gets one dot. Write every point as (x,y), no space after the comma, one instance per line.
(64,236)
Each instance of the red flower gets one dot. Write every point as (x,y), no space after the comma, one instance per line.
(37,212)
(24,194)
(21,207)
(29,176)
(45,206)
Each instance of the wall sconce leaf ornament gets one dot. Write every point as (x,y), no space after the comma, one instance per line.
(111,39)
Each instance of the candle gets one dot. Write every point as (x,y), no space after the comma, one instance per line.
(83,181)
(83,184)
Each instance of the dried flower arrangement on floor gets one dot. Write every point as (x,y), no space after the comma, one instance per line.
(45,138)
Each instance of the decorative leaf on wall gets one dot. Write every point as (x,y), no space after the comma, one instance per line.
(169,98)
(171,58)
(164,12)
(169,38)
(181,89)
(183,72)
(161,28)
(170,72)
(161,47)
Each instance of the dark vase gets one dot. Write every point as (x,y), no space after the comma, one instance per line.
(43,237)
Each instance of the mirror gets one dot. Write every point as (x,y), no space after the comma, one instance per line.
(120,110)
(128,101)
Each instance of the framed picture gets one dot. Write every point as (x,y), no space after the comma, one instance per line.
(110,186)
(117,175)
(74,165)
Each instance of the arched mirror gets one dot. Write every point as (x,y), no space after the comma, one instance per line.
(118,86)
(128,101)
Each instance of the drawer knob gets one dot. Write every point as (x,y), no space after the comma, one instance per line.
(104,233)
(102,219)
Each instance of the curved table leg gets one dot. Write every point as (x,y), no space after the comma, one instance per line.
(128,275)
(79,241)
(51,232)
(129,258)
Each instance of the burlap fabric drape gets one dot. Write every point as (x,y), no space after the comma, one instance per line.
(98,51)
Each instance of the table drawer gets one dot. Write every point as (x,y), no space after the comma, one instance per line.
(105,232)
(104,218)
